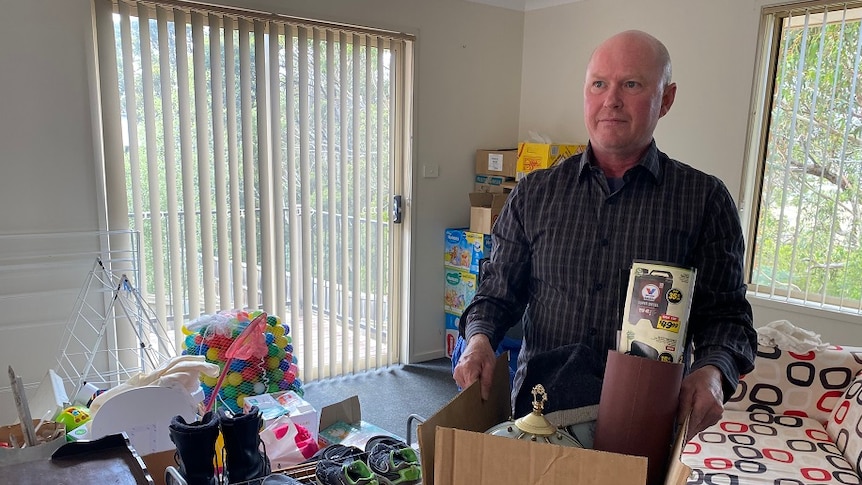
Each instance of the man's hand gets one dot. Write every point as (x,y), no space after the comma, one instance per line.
(701,398)
(476,363)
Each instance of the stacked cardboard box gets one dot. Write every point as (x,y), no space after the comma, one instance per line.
(462,251)
(495,178)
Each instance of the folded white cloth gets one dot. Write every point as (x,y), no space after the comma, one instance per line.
(786,336)
(181,372)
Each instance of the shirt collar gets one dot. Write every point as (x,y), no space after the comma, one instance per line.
(649,162)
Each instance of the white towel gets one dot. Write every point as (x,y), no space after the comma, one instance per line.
(786,336)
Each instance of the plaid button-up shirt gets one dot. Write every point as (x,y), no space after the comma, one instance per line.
(564,243)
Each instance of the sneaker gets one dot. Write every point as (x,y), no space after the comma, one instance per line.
(340,453)
(393,461)
(329,472)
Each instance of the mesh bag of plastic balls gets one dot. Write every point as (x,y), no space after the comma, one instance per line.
(212,335)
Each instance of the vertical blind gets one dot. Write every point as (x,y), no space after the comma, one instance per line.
(258,157)
(808,246)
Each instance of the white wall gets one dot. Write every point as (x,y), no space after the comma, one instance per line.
(712,45)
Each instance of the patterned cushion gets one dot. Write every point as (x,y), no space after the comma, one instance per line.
(806,385)
(762,448)
(845,424)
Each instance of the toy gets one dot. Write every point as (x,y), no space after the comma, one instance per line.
(73,417)
(270,368)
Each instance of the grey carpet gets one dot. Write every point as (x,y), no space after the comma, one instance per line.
(389,396)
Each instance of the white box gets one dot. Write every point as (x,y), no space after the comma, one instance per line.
(277,404)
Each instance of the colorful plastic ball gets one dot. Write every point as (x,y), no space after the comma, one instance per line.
(229,392)
(272,320)
(234,378)
(259,388)
(250,374)
(273,387)
(276,374)
(277,330)
(273,350)
(209,381)
(212,354)
(272,362)
(284,364)
(281,342)
(245,387)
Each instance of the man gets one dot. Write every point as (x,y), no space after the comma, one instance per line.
(565,240)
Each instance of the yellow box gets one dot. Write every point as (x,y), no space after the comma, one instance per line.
(537,156)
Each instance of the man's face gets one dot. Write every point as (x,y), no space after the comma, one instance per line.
(624,96)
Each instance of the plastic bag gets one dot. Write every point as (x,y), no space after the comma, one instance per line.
(287,443)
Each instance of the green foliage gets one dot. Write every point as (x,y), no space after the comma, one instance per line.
(808,233)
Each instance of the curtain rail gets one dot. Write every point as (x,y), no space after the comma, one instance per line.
(249,14)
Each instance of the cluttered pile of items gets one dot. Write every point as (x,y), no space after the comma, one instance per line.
(229,409)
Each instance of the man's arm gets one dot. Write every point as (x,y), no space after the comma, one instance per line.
(500,300)
(721,320)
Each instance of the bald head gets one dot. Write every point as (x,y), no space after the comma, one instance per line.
(640,41)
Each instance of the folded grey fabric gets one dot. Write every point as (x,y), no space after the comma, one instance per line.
(572,378)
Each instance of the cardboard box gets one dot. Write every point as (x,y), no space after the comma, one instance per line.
(50,436)
(342,423)
(494,183)
(537,156)
(463,249)
(484,209)
(277,404)
(451,332)
(459,288)
(456,451)
(501,162)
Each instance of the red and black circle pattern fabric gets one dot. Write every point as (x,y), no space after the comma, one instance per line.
(752,448)
(801,384)
(845,424)
(795,420)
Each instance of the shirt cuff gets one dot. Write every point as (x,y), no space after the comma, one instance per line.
(726,365)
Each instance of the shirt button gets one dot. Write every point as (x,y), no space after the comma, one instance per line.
(593,331)
(603,242)
(598,287)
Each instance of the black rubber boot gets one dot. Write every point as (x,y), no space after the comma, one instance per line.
(245,461)
(195,444)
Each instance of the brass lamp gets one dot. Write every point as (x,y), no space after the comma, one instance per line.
(535,426)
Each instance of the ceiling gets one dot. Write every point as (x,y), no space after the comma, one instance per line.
(524,5)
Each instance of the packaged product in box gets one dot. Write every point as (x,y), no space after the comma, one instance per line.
(463,249)
(459,290)
(536,156)
(655,314)
(484,209)
(493,183)
(497,162)
(276,404)
(451,332)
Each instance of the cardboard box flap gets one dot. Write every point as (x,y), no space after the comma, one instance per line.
(347,411)
(678,473)
(491,200)
(469,411)
(472,458)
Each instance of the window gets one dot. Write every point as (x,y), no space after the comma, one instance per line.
(807,151)
(258,155)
